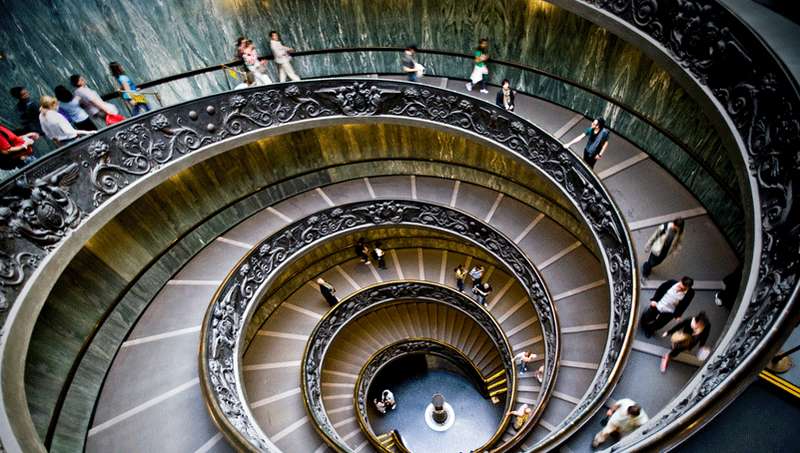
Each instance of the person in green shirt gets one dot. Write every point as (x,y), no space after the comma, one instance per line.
(480,72)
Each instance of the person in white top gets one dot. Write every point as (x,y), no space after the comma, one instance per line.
(524,358)
(249,81)
(90,100)
(282,57)
(54,125)
(669,302)
(253,64)
(623,417)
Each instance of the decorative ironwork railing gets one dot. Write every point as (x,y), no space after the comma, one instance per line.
(370,299)
(50,209)
(409,346)
(223,328)
(758,100)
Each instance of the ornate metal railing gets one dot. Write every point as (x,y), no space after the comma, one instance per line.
(370,299)
(48,211)
(750,92)
(239,295)
(409,346)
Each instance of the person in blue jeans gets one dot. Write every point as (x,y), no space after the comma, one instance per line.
(596,144)
(136,102)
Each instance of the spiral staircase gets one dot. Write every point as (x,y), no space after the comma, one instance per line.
(133,402)
(240,281)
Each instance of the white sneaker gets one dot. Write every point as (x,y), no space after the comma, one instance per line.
(469,86)
(717,300)
(484,91)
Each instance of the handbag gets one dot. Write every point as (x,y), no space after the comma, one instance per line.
(137,98)
(113,119)
(681,338)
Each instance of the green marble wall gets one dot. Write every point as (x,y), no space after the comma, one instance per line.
(45,41)
(186,212)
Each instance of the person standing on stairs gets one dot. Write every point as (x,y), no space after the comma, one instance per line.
(524,358)
(522,415)
(665,240)
(505,97)
(597,143)
(623,417)
(362,251)
(685,335)
(669,302)
(379,255)
(282,58)
(476,274)
(461,274)
(482,291)
(328,292)
(480,72)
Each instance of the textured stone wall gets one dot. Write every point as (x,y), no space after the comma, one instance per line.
(46,41)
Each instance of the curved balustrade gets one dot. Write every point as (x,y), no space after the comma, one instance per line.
(369,299)
(753,95)
(223,328)
(415,346)
(55,205)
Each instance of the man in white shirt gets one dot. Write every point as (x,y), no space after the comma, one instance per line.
(524,358)
(623,417)
(282,58)
(669,302)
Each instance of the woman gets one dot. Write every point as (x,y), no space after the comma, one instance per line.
(70,107)
(91,101)
(522,415)
(685,335)
(480,72)
(461,274)
(254,65)
(505,97)
(54,125)
(135,101)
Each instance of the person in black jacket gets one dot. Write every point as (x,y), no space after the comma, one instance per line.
(328,292)
(505,97)
(669,302)
(690,333)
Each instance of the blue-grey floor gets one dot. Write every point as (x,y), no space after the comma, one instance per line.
(476,418)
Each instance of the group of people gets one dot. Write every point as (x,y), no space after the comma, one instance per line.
(257,68)
(480,288)
(367,253)
(63,117)
(385,402)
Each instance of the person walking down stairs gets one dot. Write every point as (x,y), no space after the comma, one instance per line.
(328,292)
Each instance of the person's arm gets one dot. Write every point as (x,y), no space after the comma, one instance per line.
(683,304)
(97,102)
(703,337)
(124,83)
(677,327)
(612,409)
(574,141)
(652,239)
(603,149)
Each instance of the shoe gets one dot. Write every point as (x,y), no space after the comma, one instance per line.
(469,86)
(664,362)
(717,300)
(484,91)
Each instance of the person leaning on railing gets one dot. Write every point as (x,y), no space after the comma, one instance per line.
(69,105)
(15,151)
(282,58)
(94,105)
(135,100)
(54,125)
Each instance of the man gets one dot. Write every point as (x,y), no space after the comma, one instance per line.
(597,143)
(379,255)
(328,292)
(669,302)
(410,65)
(524,358)
(27,109)
(665,240)
(282,58)
(482,291)
(476,273)
(15,151)
(623,417)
